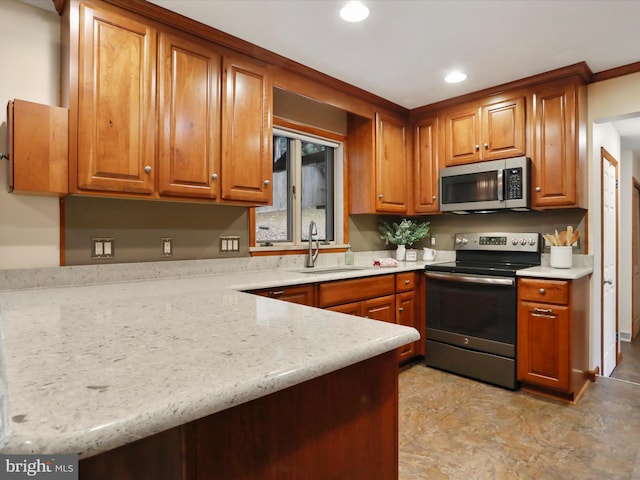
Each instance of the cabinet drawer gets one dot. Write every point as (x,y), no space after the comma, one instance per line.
(346,291)
(405,281)
(544,290)
(302,294)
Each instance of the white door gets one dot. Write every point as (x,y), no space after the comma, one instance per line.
(609,263)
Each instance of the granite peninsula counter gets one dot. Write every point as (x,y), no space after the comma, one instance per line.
(89,368)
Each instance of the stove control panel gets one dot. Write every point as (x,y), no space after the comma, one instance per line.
(501,241)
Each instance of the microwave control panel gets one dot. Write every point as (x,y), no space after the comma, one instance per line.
(514,183)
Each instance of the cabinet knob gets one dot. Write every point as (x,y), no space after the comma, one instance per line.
(434,197)
(477,148)
(380,196)
(486,146)
(407,282)
(147,169)
(401,309)
(267,182)
(538,189)
(214,176)
(541,291)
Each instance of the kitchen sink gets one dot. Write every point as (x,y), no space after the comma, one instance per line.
(329,270)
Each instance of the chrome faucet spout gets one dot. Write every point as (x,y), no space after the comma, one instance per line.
(311,257)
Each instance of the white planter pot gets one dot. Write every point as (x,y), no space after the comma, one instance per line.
(400,253)
(561,257)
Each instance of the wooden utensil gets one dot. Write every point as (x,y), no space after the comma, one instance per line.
(574,238)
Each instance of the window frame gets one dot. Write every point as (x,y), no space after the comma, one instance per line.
(340,196)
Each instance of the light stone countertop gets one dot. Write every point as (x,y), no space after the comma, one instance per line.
(87,368)
(582,266)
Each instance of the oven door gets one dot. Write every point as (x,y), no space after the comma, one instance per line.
(476,312)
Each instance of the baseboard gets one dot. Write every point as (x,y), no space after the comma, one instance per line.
(625,336)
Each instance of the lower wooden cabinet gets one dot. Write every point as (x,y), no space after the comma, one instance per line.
(393,298)
(553,336)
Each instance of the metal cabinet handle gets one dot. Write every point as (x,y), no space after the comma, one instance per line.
(380,196)
(548,311)
(407,282)
(538,189)
(267,182)
(214,176)
(147,169)
(486,146)
(274,293)
(477,148)
(401,309)
(541,291)
(434,197)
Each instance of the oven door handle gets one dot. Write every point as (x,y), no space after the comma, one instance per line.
(465,278)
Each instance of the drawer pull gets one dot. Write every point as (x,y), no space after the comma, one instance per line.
(273,293)
(407,282)
(401,309)
(541,291)
(547,311)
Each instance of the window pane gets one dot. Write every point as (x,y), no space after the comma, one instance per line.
(317,190)
(274,222)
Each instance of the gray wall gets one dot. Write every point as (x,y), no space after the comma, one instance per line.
(443,227)
(138,227)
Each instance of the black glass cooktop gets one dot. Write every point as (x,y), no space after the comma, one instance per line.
(508,269)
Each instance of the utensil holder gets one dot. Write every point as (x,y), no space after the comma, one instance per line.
(561,257)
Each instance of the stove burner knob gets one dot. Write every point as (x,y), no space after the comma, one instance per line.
(458,241)
(532,241)
(514,241)
(464,241)
(523,241)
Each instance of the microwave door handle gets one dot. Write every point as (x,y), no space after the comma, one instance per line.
(500,185)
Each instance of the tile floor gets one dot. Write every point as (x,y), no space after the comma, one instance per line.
(460,429)
(629,368)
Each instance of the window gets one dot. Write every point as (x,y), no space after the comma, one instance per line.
(307,186)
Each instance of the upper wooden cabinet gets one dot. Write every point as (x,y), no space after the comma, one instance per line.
(378,166)
(207,137)
(426,166)
(246,131)
(487,130)
(188,117)
(116,104)
(559,120)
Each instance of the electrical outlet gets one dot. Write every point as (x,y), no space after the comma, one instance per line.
(229,243)
(167,247)
(102,248)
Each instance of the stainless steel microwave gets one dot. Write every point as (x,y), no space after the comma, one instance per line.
(486,186)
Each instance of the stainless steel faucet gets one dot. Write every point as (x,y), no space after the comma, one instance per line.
(311,258)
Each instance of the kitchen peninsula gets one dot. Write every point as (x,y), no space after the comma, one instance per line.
(187,377)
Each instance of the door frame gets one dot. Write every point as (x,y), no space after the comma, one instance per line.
(605,155)
(634,254)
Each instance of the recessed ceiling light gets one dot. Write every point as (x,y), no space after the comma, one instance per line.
(354,11)
(455,77)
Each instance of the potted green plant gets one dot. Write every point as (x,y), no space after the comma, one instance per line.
(403,234)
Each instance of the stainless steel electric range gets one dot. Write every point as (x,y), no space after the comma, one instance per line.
(471,305)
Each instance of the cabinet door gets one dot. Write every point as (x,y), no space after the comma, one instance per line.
(543,345)
(462,135)
(246,169)
(189,117)
(555,159)
(301,294)
(38,138)
(380,308)
(503,134)
(426,166)
(354,308)
(391,164)
(116,103)
(406,315)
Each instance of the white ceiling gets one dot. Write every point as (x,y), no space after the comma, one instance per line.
(404,49)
